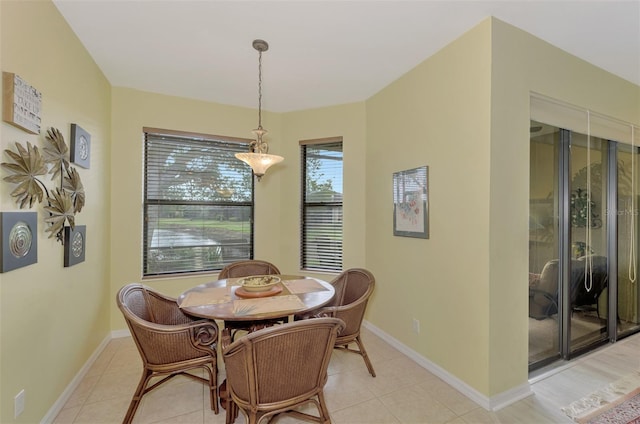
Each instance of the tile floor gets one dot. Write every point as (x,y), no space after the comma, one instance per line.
(402,392)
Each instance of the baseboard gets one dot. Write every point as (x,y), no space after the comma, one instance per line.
(492,403)
(120,333)
(55,409)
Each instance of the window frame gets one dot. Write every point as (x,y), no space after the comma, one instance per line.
(148,202)
(306,258)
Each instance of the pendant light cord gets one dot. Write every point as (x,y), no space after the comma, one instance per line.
(260,90)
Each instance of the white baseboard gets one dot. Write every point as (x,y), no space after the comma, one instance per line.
(120,333)
(493,403)
(71,387)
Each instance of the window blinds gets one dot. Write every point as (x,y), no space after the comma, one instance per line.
(322,205)
(198,203)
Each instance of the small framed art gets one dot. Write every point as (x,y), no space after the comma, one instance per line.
(80,146)
(19,239)
(74,244)
(21,103)
(411,203)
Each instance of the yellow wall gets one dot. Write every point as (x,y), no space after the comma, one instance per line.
(53,318)
(435,115)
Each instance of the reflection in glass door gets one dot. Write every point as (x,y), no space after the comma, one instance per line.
(588,275)
(544,236)
(627,288)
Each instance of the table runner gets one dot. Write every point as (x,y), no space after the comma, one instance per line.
(267,305)
(210,296)
(305,285)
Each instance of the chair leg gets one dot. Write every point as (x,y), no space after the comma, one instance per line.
(213,388)
(324,411)
(232,412)
(363,352)
(137,396)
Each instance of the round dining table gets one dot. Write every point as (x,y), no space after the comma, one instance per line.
(225,299)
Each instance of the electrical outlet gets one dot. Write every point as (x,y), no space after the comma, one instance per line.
(416,326)
(18,404)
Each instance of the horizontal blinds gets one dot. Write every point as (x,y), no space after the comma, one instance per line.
(322,206)
(569,117)
(194,170)
(198,204)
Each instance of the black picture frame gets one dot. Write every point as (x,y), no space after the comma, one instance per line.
(411,203)
(80,146)
(19,232)
(75,243)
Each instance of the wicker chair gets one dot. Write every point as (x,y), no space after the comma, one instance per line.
(276,369)
(170,342)
(353,289)
(246,269)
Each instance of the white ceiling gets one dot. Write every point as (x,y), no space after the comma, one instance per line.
(322,52)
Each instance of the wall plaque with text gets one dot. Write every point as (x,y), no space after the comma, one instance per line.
(22,103)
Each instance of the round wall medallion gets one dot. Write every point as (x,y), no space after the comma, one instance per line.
(20,239)
(76,245)
(83,148)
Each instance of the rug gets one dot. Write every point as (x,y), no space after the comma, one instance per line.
(617,403)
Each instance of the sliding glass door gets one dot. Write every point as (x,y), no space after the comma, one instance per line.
(626,291)
(573,180)
(544,239)
(588,273)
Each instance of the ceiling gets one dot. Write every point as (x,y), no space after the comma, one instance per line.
(322,52)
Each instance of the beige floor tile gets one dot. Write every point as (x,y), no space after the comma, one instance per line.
(480,416)
(125,360)
(170,401)
(67,415)
(414,405)
(196,417)
(388,378)
(448,396)
(344,390)
(82,392)
(342,361)
(111,411)
(113,385)
(370,412)
(211,418)
(531,411)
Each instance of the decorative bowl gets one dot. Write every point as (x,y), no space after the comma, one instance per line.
(259,283)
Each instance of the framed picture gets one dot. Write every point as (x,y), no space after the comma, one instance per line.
(411,203)
(19,239)
(21,103)
(74,244)
(80,146)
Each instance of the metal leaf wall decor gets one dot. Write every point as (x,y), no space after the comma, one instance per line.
(27,169)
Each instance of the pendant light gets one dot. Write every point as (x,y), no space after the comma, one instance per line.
(258,157)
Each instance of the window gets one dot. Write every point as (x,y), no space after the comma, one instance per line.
(198,203)
(322,204)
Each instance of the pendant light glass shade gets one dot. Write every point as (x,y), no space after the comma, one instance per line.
(259,162)
(258,157)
